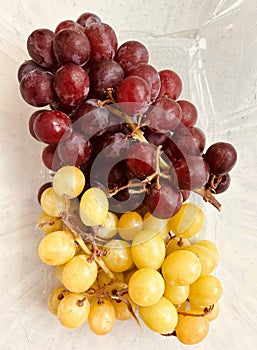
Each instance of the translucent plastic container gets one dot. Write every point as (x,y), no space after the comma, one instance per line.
(212,45)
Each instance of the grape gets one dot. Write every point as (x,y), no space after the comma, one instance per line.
(40,47)
(69,182)
(27,67)
(119,257)
(176,294)
(134,95)
(206,257)
(141,160)
(121,308)
(192,172)
(73,310)
(71,46)
(223,184)
(191,329)
(171,84)
(109,228)
(93,207)
(221,157)
(189,113)
(32,119)
(88,20)
(48,224)
(163,202)
(150,75)
(58,272)
(79,274)
(189,141)
(176,243)
(101,318)
(54,299)
(181,268)
(188,221)
(68,24)
(156,138)
(161,317)
(205,291)
(51,126)
(75,149)
(71,84)
(36,88)
(42,189)
(210,245)
(103,75)
(103,42)
(56,248)
(155,224)
(148,250)
(131,53)
(164,115)
(146,286)
(130,223)
(104,280)
(50,157)
(51,203)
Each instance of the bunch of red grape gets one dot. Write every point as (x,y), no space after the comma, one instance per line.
(125,154)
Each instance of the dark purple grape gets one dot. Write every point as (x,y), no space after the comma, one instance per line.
(224,183)
(188,141)
(51,158)
(171,84)
(150,75)
(36,88)
(68,24)
(189,113)
(192,172)
(71,46)
(27,67)
(51,126)
(163,202)
(117,176)
(131,53)
(32,121)
(103,42)
(71,84)
(155,138)
(75,149)
(171,151)
(42,189)
(103,75)
(58,105)
(134,95)
(221,157)
(40,47)
(164,115)
(88,20)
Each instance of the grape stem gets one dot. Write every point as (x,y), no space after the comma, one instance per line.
(208,197)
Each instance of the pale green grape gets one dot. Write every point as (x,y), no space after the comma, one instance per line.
(79,274)
(69,181)
(176,294)
(153,223)
(161,317)
(48,224)
(73,310)
(207,258)
(101,318)
(121,308)
(206,291)
(176,243)
(181,267)
(52,204)
(146,286)
(56,248)
(119,256)
(148,249)
(93,207)
(109,227)
(130,223)
(55,298)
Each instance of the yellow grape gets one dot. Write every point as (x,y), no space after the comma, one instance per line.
(191,329)
(56,248)
(211,313)
(176,294)
(52,204)
(55,298)
(101,317)
(109,227)
(58,272)
(188,221)
(207,258)
(73,310)
(146,286)
(206,291)
(176,243)
(93,207)
(181,268)
(182,307)
(155,224)
(69,181)
(103,279)
(119,257)
(48,224)
(161,317)
(210,245)
(130,223)
(148,249)
(129,273)
(79,274)
(121,308)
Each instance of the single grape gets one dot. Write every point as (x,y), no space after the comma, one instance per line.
(56,248)
(68,24)
(101,318)
(52,204)
(110,226)
(176,243)
(205,291)
(71,84)
(51,158)
(210,245)
(161,317)
(48,224)
(156,138)
(55,298)
(103,279)
(134,95)
(155,224)
(88,20)
(189,113)
(189,141)
(181,268)
(130,223)
(176,294)
(41,190)
(207,258)
(221,157)
(119,256)
(32,119)
(69,182)
(171,84)
(36,88)
(122,312)
(141,160)
(224,183)
(58,272)
(27,67)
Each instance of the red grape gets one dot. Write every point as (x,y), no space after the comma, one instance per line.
(155,138)
(88,20)
(223,184)
(189,113)
(32,121)
(51,158)
(221,157)
(27,67)
(68,24)
(171,84)
(189,141)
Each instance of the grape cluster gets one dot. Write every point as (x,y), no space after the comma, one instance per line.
(124,153)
